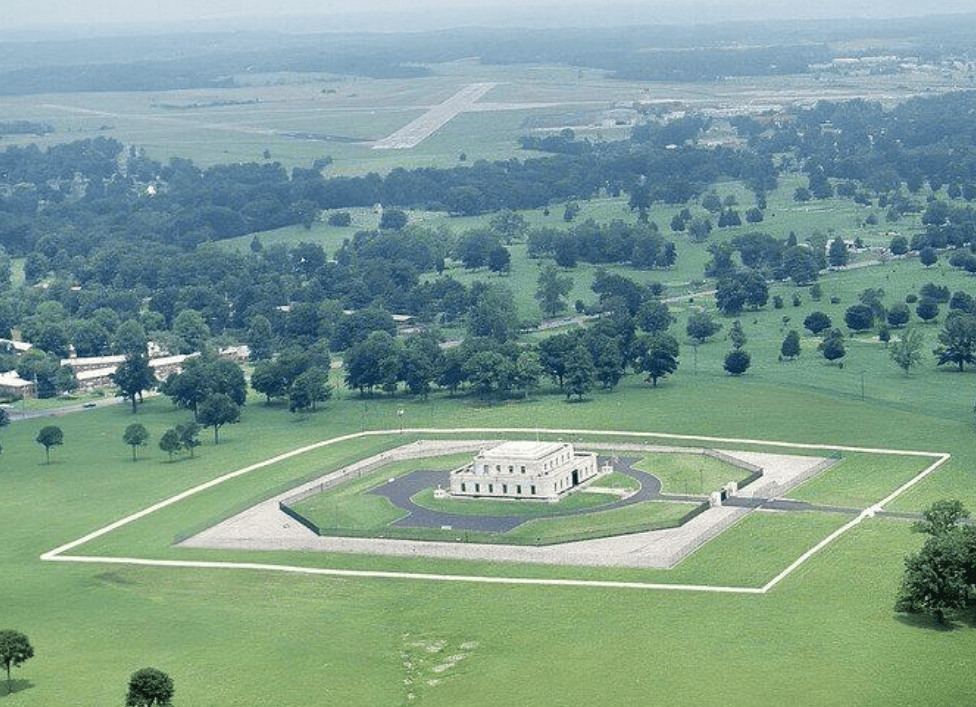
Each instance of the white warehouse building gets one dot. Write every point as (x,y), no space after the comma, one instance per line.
(539,470)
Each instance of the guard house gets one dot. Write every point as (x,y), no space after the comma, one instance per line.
(539,470)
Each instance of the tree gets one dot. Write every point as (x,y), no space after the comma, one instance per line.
(941,517)
(551,290)
(191,331)
(135,435)
(133,376)
(654,315)
(15,649)
(217,410)
(393,219)
(907,351)
(130,339)
(817,322)
(736,362)
(790,348)
(898,245)
(580,373)
(499,259)
(311,387)
(832,347)
(957,340)
(189,436)
(656,355)
(927,256)
(936,578)
(927,309)
(508,224)
(489,372)
(608,359)
(859,317)
(837,254)
(170,442)
(701,326)
(898,315)
(699,228)
(259,338)
(150,687)
(528,371)
(494,313)
(737,336)
(50,436)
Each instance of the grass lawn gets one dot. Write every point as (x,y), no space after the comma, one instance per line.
(488,507)
(690,473)
(629,519)
(858,480)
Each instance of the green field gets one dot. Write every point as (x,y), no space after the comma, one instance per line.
(826,635)
(690,473)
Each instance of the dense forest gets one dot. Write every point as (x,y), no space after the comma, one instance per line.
(118,246)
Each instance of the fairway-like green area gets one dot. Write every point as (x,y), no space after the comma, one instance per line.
(825,636)
(229,637)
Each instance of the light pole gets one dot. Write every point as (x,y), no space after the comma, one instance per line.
(400,416)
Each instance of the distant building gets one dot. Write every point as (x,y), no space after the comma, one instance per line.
(539,470)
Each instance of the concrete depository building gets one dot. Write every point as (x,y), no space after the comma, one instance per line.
(536,470)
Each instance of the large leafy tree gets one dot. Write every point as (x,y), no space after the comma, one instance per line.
(217,410)
(817,322)
(15,648)
(311,387)
(551,290)
(150,687)
(832,346)
(133,376)
(790,348)
(736,362)
(701,325)
(957,340)
(906,352)
(656,355)
(580,373)
(941,576)
(202,377)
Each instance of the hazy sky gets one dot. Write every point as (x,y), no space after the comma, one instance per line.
(386,15)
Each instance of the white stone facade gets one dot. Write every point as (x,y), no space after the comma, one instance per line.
(536,470)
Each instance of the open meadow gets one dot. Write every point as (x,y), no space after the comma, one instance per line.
(271,634)
(250,636)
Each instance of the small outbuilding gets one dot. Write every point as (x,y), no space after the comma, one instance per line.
(535,470)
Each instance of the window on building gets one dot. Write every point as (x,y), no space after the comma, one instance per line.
(518,489)
(477,488)
(491,488)
(523,469)
(511,469)
(504,488)
(533,490)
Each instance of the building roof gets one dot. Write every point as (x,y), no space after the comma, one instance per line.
(523,450)
(10,379)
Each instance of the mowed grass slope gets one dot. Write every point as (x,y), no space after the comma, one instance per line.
(827,635)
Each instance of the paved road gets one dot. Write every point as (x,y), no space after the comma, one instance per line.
(401,490)
(17,414)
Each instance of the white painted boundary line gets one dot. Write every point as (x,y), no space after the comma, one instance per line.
(56,555)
